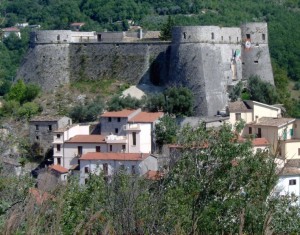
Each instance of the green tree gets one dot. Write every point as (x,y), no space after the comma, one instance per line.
(166,30)
(128,102)
(165,131)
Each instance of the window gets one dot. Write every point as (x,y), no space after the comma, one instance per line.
(109,119)
(258,133)
(123,147)
(133,138)
(284,134)
(119,119)
(110,148)
(58,147)
(86,169)
(79,150)
(248,36)
(37,137)
(292,182)
(263,36)
(237,39)
(222,38)
(250,130)
(184,35)
(58,161)
(133,170)
(50,127)
(238,116)
(291,132)
(37,127)
(105,168)
(58,37)
(58,136)
(229,38)
(299,151)
(98,149)
(116,130)
(212,36)
(255,61)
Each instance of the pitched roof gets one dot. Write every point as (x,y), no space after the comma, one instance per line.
(115,156)
(290,171)
(153,175)
(146,117)
(271,121)
(122,113)
(260,142)
(11,29)
(239,106)
(46,118)
(59,169)
(87,139)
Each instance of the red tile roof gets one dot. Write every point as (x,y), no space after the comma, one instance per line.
(115,156)
(260,142)
(59,169)
(11,29)
(122,113)
(146,117)
(87,139)
(77,24)
(154,175)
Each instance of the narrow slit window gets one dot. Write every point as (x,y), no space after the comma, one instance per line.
(212,36)
(263,36)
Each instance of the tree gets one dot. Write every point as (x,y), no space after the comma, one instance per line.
(165,131)
(166,30)
(128,102)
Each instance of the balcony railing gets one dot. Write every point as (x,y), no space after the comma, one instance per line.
(132,127)
(114,139)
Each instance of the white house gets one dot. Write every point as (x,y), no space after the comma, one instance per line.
(109,163)
(288,182)
(12,30)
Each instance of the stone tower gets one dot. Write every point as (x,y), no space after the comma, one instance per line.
(256,56)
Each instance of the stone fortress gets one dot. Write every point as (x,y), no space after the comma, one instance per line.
(209,60)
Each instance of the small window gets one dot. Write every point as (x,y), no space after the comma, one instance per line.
(133,171)
(238,116)
(86,169)
(250,130)
(229,38)
(37,127)
(291,132)
(237,39)
(58,161)
(50,127)
(263,36)
(116,130)
(58,37)
(255,61)
(258,133)
(79,150)
(119,119)
(109,119)
(110,148)
(212,36)
(105,168)
(123,147)
(222,38)
(37,137)
(292,182)
(298,151)
(248,36)
(58,147)
(184,35)
(134,138)
(58,136)
(98,149)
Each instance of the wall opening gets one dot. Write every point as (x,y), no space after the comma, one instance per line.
(184,35)
(212,36)
(155,73)
(229,39)
(222,38)
(255,61)
(99,37)
(58,37)
(263,36)
(248,36)
(237,39)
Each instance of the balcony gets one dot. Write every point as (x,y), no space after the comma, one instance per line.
(114,139)
(132,127)
(57,140)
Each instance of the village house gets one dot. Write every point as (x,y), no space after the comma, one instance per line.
(41,130)
(6,32)
(123,132)
(109,163)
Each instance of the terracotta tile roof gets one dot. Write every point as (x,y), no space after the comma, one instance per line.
(271,121)
(115,156)
(87,139)
(260,142)
(153,175)
(122,113)
(64,128)
(46,118)
(59,169)
(239,106)
(146,117)
(11,29)
(77,24)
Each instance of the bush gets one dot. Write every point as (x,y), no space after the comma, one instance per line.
(28,110)
(128,102)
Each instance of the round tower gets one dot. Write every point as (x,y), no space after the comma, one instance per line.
(255,53)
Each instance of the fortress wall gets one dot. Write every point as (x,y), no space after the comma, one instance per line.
(123,61)
(51,36)
(46,65)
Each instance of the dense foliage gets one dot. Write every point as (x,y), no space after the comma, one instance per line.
(217,186)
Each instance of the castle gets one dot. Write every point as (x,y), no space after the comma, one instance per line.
(209,60)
